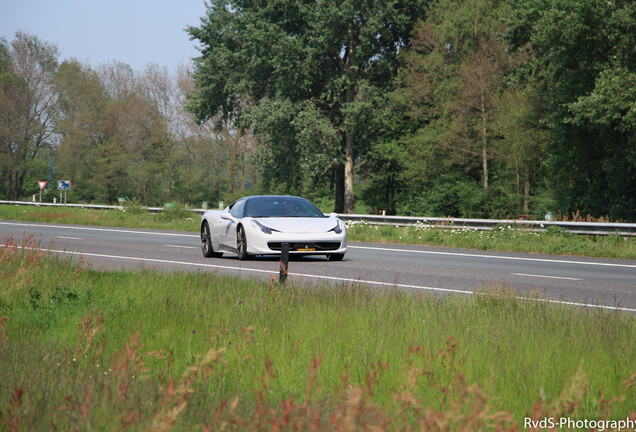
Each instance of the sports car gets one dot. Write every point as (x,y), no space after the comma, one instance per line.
(259,225)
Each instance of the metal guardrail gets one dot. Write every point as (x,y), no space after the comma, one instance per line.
(586,228)
(88,206)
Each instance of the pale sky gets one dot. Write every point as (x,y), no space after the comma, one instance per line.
(136,32)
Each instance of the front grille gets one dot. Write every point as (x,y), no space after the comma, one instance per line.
(319,246)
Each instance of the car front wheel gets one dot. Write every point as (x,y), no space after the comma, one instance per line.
(241,244)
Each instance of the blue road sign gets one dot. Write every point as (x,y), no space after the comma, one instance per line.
(63,185)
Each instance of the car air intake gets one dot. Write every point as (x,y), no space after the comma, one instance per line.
(317,246)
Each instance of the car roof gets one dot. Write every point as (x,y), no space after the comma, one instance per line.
(271,196)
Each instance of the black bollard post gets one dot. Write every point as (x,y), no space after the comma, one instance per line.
(284,262)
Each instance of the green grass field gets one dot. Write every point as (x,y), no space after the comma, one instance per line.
(503,238)
(82,349)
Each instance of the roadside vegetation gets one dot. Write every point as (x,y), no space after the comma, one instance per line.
(504,238)
(90,349)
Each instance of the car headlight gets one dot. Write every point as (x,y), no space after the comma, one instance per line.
(337,229)
(263,228)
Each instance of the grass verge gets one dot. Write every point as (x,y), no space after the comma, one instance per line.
(176,218)
(85,349)
(504,238)
(553,241)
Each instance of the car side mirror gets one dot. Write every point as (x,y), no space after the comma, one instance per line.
(227,216)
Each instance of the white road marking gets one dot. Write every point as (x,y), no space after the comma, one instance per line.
(471,255)
(103,229)
(545,276)
(182,247)
(68,238)
(329,278)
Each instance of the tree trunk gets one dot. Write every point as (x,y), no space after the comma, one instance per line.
(517,183)
(19,183)
(339,181)
(526,188)
(242,163)
(484,158)
(348,169)
(348,175)
(390,205)
(231,166)
(484,143)
(9,175)
(169,176)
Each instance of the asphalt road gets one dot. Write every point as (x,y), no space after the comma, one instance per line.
(605,283)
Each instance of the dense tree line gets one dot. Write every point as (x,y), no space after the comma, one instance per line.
(114,132)
(475,108)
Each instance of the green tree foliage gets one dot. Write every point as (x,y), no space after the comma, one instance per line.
(305,75)
(582,54)
(125,134)
(457,160)
(111,137)
(475,108)
(27,107)
(83,127)
(520,122)
(212,163)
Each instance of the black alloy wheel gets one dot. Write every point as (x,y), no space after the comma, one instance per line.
(241,244)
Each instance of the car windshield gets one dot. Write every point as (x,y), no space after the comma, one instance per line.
(263,207)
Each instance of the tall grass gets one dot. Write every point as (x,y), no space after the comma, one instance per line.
(85,349)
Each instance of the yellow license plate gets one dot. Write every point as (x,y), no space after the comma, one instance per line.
(306,249)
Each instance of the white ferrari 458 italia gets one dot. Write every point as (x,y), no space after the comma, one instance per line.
(259,225)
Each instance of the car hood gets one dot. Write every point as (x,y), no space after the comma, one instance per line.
(298,225)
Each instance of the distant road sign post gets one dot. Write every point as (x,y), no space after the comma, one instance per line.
(42,185)
(63,185)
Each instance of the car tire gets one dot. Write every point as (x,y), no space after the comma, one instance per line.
(241,244)
(335,257)
(206,243)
